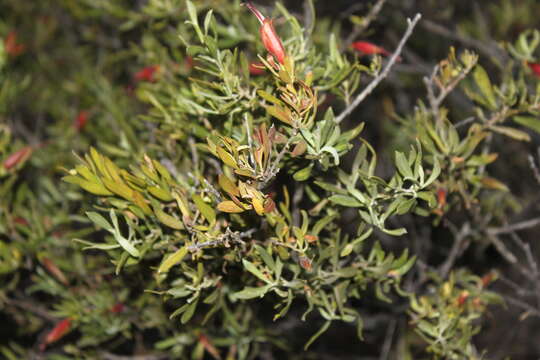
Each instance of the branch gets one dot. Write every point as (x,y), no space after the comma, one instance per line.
(457,248)
(376,81)
(486,48)
(514,227)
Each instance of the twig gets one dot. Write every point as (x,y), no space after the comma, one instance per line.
(502,249)
(531,310)
(464,122)
(110,356)
(32,308)
(489,50)
(514,227)
(376,81)
(387,346)
(272,171)
(534,167)
(435,101)
(457,248)
(373,13)
(229,235)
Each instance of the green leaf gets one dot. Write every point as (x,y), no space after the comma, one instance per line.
(99,220)
(303,174)
(345,201)
(434,173)
(253,269)
(321,331)
(251,292)
(403,165)
(511,132)
(205,209)
(188,314)
(528,121)
(173,260)
(484,84)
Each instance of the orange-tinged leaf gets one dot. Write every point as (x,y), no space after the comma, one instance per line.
(228,185)
(229,206)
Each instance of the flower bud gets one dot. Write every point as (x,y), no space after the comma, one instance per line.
(269,37)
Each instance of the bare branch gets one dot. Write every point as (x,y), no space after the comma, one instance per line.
(489,49)
(377,80)
(514,227)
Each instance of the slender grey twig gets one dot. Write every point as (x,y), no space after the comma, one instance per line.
(377,80)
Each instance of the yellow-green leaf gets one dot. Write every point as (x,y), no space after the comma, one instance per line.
(173,259)
(229,207)
(205,209)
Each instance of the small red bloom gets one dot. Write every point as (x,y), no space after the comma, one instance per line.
(368,48)
(269,37)
(11,46)
(256,69)
(463,296)
(305,262)
(80,120)
(535,67)
(117,308)
(441,197)
(17,157)
(147,73)
(56,333)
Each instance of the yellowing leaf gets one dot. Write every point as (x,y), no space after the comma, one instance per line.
(227,158)
(228,185)
(205,209)
(173,260)
(229,207)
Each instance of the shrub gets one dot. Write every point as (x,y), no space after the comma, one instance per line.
(245,189)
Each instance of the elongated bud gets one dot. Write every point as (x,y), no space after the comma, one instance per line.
(368,48)
(17,157)
(56,333)
(269,37)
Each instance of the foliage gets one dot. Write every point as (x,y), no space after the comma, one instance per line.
(173,188)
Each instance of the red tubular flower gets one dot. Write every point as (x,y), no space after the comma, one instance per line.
(56,333)
(147,73)
(17,157)
(269,37)
(81,120)
(535,67)
(368,48)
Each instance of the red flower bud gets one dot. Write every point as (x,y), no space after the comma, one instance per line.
(17,157)
(56,333)
(368,48)
(147,73)
(535,67)
(11,46)
(269,37)
(256,69)
(81,120)
(117,308)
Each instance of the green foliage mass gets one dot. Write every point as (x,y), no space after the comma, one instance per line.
(169,189)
